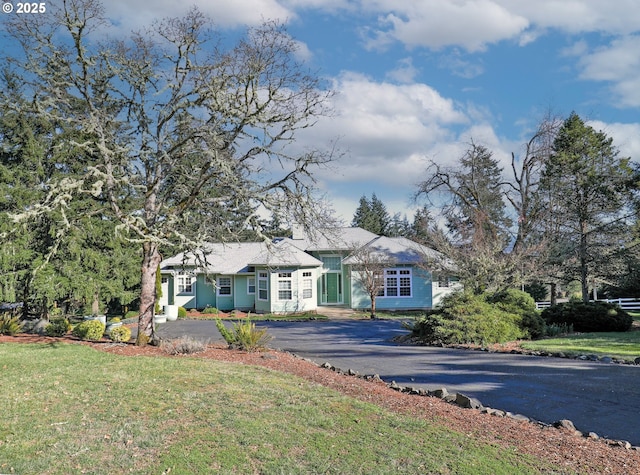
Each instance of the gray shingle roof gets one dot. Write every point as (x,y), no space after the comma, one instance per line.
(234,258)
(397,250)
(336,239)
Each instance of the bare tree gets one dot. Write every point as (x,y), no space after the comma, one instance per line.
(368,265)
(171,130)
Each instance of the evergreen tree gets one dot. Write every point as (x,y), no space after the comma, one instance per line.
(372,215)
(588,198)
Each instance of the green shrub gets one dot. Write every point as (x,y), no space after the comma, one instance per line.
(464,317)
(244,335)
(183,346)
(89,330)
(210,310)
(10,325)
(115,320)
(57,327)
(522,304)
(589,317)
(120,334)
(182,312)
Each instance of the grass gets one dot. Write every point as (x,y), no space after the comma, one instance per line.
(622,345)
(71,409)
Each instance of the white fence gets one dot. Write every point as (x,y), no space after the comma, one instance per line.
(625,304)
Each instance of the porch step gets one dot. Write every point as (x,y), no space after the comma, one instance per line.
(338,312)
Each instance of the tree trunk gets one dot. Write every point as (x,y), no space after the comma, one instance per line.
(95,304)
(584,265)
(554,294)
(373,306)
(150,261)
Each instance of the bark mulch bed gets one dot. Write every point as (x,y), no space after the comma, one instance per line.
(570,453)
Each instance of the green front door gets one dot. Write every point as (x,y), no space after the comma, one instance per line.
(332,288)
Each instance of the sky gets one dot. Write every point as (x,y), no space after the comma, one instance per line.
(418,80)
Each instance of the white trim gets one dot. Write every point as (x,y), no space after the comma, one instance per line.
(400,274)
(220,285)
(284,277)
(263,276)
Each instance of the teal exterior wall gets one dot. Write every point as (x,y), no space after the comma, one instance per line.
(242,299)
(421,294)
(205,293)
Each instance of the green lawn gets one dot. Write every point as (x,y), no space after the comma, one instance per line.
(71,409)
(624,345)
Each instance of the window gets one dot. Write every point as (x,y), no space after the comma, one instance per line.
(284,286)
(251,285)
(307,285)
(397,283)
(224,285)
(185,283)
(263,286)
(443,280)
(164,280)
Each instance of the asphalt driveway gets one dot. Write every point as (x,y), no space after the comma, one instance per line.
(598,397)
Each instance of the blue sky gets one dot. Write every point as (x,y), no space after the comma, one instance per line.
(417,80)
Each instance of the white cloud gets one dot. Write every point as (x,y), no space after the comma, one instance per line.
(619,64)
(475,24)
(136,14)
(389,133)
(471,24)
(405,72)
(579,16)
(626,137)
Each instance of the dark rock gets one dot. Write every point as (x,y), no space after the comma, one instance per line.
(519,417)
(637,360)
(564,424)
(465,401)
(440,393)
(606,359)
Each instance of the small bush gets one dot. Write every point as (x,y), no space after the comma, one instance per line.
(464,317)
(244,336)
(120,334)
(89,330)
(589,317)
(183,346)
(182,312)
(522,304)
(211,310)
(115,320)
(58,327)
(10,325)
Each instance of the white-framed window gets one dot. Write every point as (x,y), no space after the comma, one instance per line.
(397,283)
(285,288)
(164,279)
(223,285)
(443,280)
(185,282)
(263,285)
(307,285)
(251,285)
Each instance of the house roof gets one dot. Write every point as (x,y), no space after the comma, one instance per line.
(234,258)
(335,239)
(396,250)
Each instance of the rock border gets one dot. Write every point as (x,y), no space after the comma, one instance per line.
(467,402)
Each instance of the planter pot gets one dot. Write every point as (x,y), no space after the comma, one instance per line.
(160,319)
(110,326)
(171,311)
